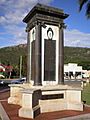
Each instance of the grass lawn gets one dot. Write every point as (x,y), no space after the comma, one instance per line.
(86,94)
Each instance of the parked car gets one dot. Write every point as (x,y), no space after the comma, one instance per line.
(4,81)
(18,81)
(15,81)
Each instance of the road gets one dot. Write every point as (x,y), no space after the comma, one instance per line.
(4,88)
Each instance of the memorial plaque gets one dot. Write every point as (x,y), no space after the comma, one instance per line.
(49,60)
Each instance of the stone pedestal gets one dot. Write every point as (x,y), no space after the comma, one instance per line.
(15,94)
(73,98)
(50,98)
(39,99)
(60,97)
(30,103)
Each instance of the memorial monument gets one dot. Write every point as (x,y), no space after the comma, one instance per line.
(45,45)
(45,90)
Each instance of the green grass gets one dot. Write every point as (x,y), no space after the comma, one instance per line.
(86,94)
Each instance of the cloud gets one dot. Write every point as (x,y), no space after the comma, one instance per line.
(12,13)
(12,29)
(76,38)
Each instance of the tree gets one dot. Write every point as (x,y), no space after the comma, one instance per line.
(82,3)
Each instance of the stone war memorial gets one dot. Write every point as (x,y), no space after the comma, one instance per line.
(45,90)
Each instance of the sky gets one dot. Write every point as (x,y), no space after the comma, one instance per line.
(12,28)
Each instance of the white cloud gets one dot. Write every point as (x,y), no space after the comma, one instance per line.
(12,13)
(11,16)
(76,38)
(2,19)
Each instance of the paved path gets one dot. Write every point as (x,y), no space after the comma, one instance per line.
(79,117)
(3,113)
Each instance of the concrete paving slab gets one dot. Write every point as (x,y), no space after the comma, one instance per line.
(3,113)
(79,117)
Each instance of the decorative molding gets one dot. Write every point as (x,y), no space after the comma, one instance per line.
(62,25)
(50,33)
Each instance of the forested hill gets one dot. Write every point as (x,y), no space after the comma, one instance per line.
(11,55)
(78,55)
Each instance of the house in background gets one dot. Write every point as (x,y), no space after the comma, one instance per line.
(5,71)
(72,71)
(86,74)
(2,70)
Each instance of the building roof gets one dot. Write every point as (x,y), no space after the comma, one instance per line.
(46,10)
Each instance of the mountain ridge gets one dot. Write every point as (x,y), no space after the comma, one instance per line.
(78,55)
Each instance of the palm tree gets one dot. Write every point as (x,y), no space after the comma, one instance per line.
(82,3)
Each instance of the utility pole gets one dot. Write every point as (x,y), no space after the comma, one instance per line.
(20,66)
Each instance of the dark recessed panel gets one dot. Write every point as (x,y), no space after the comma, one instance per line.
(49,60)
(52,96)
(33,60)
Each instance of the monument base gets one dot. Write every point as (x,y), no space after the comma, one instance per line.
(39,99)
(60,97)
(30,103)
(15,93)
(29,113)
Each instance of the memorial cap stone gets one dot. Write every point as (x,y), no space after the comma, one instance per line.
(45,10)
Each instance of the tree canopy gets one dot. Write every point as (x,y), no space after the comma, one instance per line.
(87,3)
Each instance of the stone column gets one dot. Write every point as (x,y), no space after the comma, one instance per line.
(61,55)
(28,57)
(38,73)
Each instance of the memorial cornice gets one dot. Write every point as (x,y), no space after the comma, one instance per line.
(45,10)
(62,25)
(43,19)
